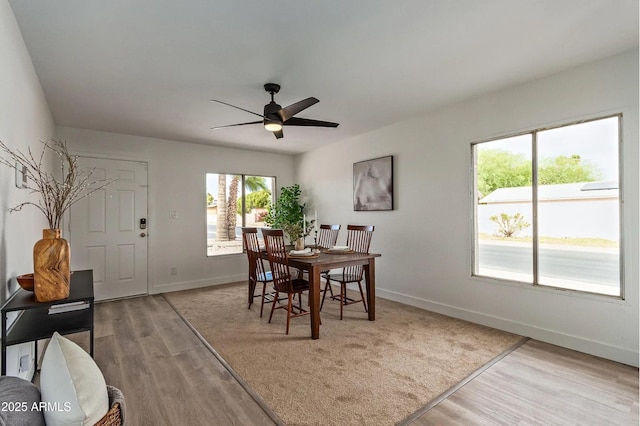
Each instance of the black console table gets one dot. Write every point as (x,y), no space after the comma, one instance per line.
(34,322)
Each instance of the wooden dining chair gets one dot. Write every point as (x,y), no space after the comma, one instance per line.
(327,238)
(282,278)
(328,235)
(358,240)
(257,272)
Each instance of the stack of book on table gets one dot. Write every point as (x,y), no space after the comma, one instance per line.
(68,307)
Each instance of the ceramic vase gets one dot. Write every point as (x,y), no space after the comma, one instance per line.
(299,244)
(51,271)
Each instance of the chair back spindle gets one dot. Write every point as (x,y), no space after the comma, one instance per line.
(328,235)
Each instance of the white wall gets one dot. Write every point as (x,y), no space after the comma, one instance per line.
(177,182)
(426,241)
(25,119)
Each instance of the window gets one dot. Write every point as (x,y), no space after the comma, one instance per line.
(234,201)
(547,207)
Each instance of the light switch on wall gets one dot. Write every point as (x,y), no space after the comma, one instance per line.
(25,360)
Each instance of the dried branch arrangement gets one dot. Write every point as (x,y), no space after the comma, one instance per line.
(56,196)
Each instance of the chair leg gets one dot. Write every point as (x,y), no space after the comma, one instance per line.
(324,293)
(264,290)
(252,289)
(330,289)
(364,300)
(289,307)
(343,291)
(273,306)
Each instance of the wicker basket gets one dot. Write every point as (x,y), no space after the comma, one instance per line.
(115,415)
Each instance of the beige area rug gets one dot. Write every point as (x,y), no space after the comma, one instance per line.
(359,371)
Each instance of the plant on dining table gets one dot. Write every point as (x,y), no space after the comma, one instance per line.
(287,213)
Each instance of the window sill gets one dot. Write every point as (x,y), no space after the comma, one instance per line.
(510,282)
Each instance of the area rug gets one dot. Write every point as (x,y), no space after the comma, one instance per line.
(359,371)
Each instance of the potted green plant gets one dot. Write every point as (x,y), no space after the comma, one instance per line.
(287,213)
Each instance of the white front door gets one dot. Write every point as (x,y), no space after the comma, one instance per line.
(105,229)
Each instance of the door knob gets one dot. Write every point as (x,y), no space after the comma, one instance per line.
(142,234)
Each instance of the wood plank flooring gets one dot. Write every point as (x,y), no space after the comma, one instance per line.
(169,377)
(542,384)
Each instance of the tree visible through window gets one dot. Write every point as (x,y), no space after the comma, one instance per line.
(547,208)
(234,201)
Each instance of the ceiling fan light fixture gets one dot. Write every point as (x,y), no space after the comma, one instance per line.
(275,116)
(272,126)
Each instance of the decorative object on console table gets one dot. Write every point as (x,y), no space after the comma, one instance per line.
(26,281)
(51,254)
(51,267)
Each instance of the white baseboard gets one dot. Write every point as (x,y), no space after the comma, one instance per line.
(580,344)
(189,285)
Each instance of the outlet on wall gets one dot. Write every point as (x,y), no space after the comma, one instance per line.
(174,271)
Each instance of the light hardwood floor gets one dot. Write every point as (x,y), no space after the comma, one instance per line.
(542,384)
(169,377)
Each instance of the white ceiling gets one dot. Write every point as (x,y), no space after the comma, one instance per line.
(150,67)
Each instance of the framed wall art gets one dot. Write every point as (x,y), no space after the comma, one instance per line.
(373,184)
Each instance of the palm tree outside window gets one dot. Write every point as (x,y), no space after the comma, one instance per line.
(234,201)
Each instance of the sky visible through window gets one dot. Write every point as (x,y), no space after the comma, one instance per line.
(212,184)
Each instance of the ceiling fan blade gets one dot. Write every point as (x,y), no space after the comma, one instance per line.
(237,107)
(289,111)
(234,125)
(279,134)
(294,121)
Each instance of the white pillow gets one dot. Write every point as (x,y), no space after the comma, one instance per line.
(72,385)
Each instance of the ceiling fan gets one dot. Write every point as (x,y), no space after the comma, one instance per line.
(275,116)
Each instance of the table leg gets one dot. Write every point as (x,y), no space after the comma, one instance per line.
(4,344)
(370,277)
(91,336)
(314,301)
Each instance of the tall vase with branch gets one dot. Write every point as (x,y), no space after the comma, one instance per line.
(51,254)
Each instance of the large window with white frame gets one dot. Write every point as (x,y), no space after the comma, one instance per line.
(547,207)
(234,201)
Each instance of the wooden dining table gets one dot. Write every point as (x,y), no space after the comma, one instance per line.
(334,260)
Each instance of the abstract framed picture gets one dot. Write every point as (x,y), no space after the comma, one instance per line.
(373,184)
